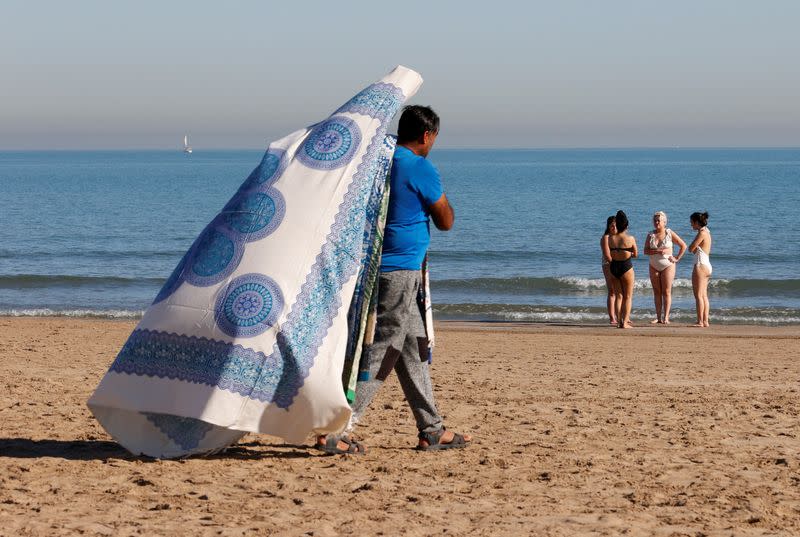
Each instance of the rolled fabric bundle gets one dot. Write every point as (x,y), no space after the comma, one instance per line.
(249,333)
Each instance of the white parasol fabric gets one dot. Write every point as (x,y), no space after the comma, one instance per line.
(249,332)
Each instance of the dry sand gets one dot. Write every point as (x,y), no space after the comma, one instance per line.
(579,431)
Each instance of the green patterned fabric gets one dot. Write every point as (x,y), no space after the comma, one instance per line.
(364,305)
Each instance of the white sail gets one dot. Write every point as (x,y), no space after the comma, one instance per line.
(186,147)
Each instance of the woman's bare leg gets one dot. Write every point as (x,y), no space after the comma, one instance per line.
(655,281)
(700,289)
(617,296)
(627,281)
(698,302)
(667,277)
(611,299)
(704,276)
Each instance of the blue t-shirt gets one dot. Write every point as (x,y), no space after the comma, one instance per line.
(415,186)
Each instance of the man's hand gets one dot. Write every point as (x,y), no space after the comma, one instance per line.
(442,214)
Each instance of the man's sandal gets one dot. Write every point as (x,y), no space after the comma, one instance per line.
(331,446)
(434,441)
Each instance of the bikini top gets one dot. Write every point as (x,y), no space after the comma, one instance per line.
(630,249)
(666,242)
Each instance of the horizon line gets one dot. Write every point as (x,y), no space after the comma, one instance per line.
(454,148)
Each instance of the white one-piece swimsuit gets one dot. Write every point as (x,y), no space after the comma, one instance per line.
(661,261)
(701,258)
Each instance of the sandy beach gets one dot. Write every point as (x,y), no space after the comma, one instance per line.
(579,430)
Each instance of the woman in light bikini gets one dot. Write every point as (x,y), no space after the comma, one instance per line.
(701,273)
(659,245)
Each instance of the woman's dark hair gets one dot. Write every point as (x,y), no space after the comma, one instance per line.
(609,221)
(622,221)
(700,218)
(415,121)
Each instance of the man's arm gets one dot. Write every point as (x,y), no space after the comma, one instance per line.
(442,214)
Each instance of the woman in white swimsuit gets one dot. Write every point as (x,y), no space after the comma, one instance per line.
(659,246)
(614,297)
(701,273)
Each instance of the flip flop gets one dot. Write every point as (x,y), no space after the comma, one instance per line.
(434,441)
(331,446)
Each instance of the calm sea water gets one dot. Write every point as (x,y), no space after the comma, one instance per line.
(96,233)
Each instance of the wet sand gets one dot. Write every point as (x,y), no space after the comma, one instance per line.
(579,430)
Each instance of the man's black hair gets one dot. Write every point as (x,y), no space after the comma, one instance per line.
(415,121)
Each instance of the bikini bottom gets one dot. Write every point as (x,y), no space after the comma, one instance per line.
(618,268)
(660,262)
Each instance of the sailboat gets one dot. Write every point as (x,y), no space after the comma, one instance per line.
(186,147)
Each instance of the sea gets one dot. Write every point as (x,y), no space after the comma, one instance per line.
(96,233)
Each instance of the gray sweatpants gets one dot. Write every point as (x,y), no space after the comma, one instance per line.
(401,344)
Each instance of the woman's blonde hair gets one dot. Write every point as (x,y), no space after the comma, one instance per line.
(662,214)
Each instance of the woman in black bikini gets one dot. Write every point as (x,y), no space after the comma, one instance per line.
(623,247)
(614,292)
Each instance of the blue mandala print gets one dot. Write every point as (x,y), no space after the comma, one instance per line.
(185,432)
(249,306)
(268,171)
(214,256)
(173,282)
(331,144)
(378,101)
(254,215)
(269,165)
(199,360)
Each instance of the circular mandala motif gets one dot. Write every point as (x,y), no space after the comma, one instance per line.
(255,215)
(173,282)
(214,257)
(249,306)
(267,172)
(331,144)
(269,165)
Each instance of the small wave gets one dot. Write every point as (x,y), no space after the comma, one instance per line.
(520,283)
(577,284)
(88,313)
(505,256)
(753,286)
(755,319)
(545,313)
(516,312)
(492,312)
(109,255)
(560,284)
(32,281)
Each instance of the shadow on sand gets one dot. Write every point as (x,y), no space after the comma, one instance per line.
(84,450)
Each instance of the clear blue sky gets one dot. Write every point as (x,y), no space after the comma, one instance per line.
(107,74)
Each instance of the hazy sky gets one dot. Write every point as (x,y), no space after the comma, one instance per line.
(112,74)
